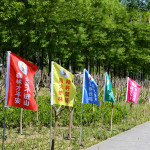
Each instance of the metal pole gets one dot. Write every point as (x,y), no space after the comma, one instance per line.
(124,116)
(103,104)
(4,129)
(137,111)
(21,120)
(131,113)
(51,129)
(81,123)
(82,104)
(102,119)
(51,101)
(6,92)
(125,103)
(111,116)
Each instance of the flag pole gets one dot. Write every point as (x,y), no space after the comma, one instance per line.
(82,104)
(124,117)
(102,118)
(21,112)
(103,105)
(131,113)
(112,116)
(51,129)
(4,129)
(6,93)
(137,111)
(81,124)
(51,102)
(125,104)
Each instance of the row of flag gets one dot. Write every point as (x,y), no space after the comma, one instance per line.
(20,87)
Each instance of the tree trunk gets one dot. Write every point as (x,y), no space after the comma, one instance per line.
(49,65)
(42,82)
(55,129)
(37,116)
(70,69)
(114,70)
(89,66)
(97,66)
(70,122)
(145,109)
(3,57)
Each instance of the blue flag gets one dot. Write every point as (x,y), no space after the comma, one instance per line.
(89,94)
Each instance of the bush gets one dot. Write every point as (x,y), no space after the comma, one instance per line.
(29,117)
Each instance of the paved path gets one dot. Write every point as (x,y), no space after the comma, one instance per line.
(138,138)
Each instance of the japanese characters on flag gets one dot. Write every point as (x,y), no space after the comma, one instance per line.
(19,82)
(89,94)
(133,90)
(62,88)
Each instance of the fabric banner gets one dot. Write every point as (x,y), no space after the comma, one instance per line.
(108,93)
(19,83)
(63,90)
(133,90)
(89,89)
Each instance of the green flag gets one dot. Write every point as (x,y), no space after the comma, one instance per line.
(108,93)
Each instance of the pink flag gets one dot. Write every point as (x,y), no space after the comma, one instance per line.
(133,90)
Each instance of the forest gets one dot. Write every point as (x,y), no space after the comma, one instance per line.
(92,34)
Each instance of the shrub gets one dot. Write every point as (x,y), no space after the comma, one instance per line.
(29,117)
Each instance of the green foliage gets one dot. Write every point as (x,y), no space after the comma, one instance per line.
(118,113)
(77,30)
(89,117)
(29,117)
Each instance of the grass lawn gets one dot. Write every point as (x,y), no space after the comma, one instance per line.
(37,137)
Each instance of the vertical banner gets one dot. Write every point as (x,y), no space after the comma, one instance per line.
(89,89)
(62,88)
(108,93)
(108,96)
(133,90)
(62,92)
(89,93)
(19,83)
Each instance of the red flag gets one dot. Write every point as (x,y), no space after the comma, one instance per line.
(19,83)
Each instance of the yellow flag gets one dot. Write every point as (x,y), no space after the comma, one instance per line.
(63,90)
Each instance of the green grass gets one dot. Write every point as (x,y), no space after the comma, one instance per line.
(36,134)
(38,137)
